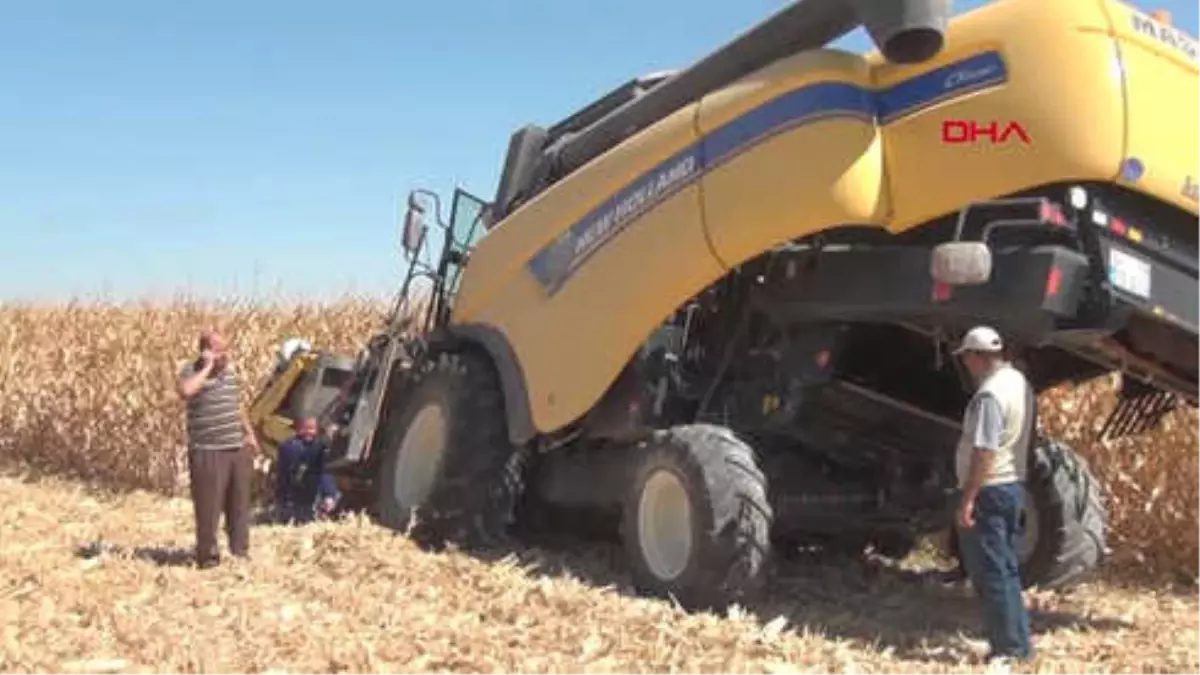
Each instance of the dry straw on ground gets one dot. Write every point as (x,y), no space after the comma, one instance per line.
(351,597)
(100,581)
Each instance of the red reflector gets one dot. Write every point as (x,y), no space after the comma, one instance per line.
(1117,225)
(1050,213)
(941,292)
(823,358)
(1053,282)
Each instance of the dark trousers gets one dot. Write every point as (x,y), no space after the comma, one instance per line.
(300,507)
(221,484)
(989,553)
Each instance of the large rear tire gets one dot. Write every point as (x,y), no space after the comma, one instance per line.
(696,520)
(447,459)
(1065,521)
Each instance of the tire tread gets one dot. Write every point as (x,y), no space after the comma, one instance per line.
(473,497)
(725,483)
(1073,526)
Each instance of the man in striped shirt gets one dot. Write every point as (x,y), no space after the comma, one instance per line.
(219,435)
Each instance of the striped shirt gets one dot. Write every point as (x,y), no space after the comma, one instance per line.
(214,419)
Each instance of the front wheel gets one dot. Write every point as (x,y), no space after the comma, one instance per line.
(449,472)
(696,519)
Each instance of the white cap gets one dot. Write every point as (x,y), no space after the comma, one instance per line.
(980,339)
(291,347)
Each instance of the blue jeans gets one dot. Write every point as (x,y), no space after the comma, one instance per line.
(989,554)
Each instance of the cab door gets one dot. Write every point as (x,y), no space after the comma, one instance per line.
(468,223)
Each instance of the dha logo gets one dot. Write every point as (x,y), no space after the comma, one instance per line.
(972,133)
(1190,189)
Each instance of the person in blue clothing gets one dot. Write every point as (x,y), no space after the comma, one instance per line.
(303,487)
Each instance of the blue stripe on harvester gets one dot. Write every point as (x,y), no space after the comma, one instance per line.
(804,105)
(557,261)
(956,79)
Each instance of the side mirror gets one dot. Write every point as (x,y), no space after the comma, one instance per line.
(961,263)
(414,226)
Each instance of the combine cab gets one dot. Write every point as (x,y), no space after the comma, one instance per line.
(714,308)
(349,396)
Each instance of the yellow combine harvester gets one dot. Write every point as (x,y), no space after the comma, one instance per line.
(715,305)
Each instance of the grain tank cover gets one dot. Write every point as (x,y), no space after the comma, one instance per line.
(905,31)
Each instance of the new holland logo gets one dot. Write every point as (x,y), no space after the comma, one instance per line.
(1172,37)
(1191,189)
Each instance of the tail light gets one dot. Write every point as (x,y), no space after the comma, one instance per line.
(1049,212)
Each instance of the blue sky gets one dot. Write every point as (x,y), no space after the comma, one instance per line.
(225,147)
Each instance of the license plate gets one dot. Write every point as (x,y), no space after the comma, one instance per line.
(1129,273)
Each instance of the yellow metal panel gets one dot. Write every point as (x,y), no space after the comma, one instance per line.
(1162,104)
(816,141)
(614,300)
(572,345)
(500,258)
(1063,87)
(806,157)
(273,428)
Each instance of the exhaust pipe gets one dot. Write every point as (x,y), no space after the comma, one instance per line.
(905,32)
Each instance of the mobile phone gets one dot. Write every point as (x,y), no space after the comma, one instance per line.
(204,344)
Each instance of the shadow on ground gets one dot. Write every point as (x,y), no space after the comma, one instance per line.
(865,598)
(166,556)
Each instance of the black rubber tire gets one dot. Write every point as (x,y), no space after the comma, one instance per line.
(476,485)
(730,516)
(1072,527)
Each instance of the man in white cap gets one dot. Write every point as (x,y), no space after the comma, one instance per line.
(991,463)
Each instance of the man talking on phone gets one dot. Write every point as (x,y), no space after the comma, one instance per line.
(220,439)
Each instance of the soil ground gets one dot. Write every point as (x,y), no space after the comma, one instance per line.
(99,582)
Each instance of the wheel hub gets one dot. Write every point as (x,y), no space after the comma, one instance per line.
(665,525)
(421,453)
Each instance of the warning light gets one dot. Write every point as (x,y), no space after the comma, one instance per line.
(941,291)
(1162,16)
(1135,234)
(1117,225)
(1053,282)
(1078,197)
(1050,213)
(822,358)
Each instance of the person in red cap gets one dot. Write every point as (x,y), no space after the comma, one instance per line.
(990,461)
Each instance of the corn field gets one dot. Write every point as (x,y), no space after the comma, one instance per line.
(87,391)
